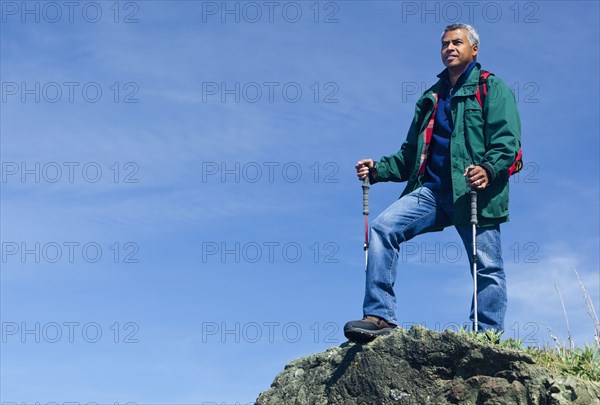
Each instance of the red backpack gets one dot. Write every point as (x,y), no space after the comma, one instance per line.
(481,95)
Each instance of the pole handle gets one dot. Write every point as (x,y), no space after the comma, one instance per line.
(473,202)
(473,207)
(365,188)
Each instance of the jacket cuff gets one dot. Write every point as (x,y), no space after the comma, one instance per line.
(373,174)
(490,172)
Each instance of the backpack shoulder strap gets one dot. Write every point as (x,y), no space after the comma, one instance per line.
(481,94)
(482,89)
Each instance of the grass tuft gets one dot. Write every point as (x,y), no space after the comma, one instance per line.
(580,362)
(583,362)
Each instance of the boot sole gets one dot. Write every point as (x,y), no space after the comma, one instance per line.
(358,335)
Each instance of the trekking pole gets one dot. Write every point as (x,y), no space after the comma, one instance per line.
(365,188)
(474,223)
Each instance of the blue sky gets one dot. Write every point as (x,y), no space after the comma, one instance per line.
(180,214)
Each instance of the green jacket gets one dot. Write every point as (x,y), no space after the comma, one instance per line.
(490,138)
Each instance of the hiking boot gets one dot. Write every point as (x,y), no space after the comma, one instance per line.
(367,329)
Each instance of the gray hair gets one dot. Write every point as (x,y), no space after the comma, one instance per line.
(472,34)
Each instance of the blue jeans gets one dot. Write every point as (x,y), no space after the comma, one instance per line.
(425,210)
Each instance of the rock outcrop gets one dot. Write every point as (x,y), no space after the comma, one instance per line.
(420,366)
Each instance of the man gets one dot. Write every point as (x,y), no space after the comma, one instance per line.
(453,144)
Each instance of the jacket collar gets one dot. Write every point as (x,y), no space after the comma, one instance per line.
(469,87)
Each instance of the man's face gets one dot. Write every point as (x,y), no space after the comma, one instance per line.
(457,51)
